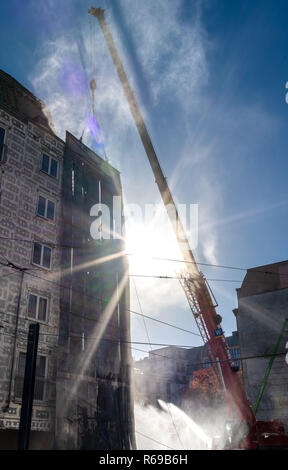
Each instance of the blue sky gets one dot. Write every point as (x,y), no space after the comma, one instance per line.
(210,78)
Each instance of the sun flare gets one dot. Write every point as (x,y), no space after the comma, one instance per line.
(145,242)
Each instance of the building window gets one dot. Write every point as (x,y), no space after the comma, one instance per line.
(235,354)
(40,379)
(42,255)
(49,165)
(2,145)
(37,307)
(46,208)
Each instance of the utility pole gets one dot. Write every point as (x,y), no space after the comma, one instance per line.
(28,387)
(12,265)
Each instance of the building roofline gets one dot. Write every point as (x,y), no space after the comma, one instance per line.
(49,128)
(89,150)
(6,75)
(271,265)
(264,279)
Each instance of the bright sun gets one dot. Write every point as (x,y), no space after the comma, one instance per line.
(143,242)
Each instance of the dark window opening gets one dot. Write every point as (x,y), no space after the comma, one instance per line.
(2,144)
(46,257)
(54,168)
(40,379)
(45,163)
(50,210)
(41,206)
(42,255)
(49,165)
(37,307)
(46,208)
(37,253)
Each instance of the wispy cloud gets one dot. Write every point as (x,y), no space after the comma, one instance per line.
(172,52)
(172,55)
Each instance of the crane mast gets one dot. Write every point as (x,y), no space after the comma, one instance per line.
(199,295)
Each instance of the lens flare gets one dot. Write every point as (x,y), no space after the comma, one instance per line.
(73,79)
(94,130)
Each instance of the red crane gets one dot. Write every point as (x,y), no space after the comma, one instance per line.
(244,431)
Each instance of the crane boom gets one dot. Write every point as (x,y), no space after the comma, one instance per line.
(195,286)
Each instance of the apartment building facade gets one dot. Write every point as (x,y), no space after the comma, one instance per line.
(94,405)
(30,232)
(41,222)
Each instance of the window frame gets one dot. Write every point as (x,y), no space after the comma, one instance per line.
(236,355)
(47,199)
(49,166)
(42,255)
(38,296)
(18,398)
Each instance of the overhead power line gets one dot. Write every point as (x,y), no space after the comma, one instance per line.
(238,268)
(94,320)
(150,344)
(158,276)
(154,440)
(111,340)
(102,301)
(165,323)
(128,343)
(130,275)
(94,298)
(241,358)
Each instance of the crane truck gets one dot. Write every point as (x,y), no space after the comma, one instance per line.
(243,430)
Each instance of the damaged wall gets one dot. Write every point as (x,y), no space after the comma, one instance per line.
(262,309)
(94,364)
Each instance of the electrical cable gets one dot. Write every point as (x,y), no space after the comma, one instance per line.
(241,358)
(59,245)
(159,344)
(165,323)
(259,356)
(150,344)
(93,320)
(154,440)
(100,300)
(130,275)
(143,318)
